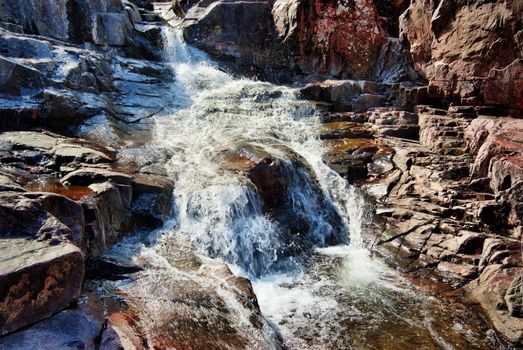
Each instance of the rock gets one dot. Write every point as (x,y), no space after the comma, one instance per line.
(338,92)
(17,79)
(392,122)
(499,146)
(122,332)
(514,297)
(68,153)
(102,268)
(29,140)
(240,285)
(152,200)
(314,32)
(88,176)
(344,130)
(288,37)
(37,279)
(41,215)
(108,214)
(35,16)
(394,64)
(469,52)
(490,290)
(112,29)
(76,328)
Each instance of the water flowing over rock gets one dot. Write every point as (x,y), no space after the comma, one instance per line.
(151,197)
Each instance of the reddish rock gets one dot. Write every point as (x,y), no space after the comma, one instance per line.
(498,144)
(37,279)
(468,51)
(291,37)
(318,34)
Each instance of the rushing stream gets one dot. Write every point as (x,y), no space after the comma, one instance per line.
(317,285)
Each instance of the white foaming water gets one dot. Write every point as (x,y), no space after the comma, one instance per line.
(326,297)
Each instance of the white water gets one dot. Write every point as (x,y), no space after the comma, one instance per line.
(327,297)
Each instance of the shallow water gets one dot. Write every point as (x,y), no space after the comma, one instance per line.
(327,297)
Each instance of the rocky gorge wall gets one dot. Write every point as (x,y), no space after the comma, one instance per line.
(469,53)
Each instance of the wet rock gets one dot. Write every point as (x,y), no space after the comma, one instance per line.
(108,214)
(392,122)
(122,332)
(346,94)
(88,176)
(152,200)
(17,79)
(240,285)
(68,153)
(38,279)
(103,268)
(75,328)
(41,215)
(343,130)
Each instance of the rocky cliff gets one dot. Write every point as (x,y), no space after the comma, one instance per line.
(470,52)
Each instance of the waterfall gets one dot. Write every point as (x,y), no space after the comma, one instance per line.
(251,190)
(221,209)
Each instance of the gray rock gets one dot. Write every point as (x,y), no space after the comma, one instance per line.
(29,140)
(87,176)
(67,153)
(17,79)
(112,29)
(41,215)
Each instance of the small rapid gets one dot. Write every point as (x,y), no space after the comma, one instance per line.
(303,248)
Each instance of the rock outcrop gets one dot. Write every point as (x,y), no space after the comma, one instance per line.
(469,52)
(61,203)
(288,38)
(447,186)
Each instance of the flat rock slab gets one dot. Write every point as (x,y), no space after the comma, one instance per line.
(36,280)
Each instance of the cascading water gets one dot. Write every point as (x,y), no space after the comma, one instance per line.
(317,291)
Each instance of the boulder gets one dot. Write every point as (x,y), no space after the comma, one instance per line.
(490,289)
(108,214)
(113,29)
(152,200)
(37,279)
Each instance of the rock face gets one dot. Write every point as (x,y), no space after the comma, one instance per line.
(468,51)
(286,38)
(97,21)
